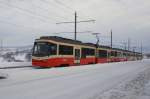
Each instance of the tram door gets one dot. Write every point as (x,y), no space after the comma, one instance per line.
(77,56)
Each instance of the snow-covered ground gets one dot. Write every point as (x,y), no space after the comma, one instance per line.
(125,80)
(14,64)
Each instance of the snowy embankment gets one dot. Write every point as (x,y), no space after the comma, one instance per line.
(15,57)
(125,80)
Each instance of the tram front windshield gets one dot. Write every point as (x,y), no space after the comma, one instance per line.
(44,49)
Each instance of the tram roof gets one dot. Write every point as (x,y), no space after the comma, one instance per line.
(66,40)
(76,42)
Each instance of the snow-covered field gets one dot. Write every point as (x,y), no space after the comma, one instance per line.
(125,80)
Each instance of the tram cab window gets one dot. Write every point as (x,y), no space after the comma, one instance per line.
(102,53)
(65,50)
(44,49)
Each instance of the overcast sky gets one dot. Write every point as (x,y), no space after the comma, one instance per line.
(21,21)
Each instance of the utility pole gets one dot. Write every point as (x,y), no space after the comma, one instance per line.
(141,51)
(111,38)
(1,45)
(129,44)
(134,51)
(75,24)
(134,48)
(141,48)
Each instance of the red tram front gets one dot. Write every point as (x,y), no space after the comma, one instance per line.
(57,51)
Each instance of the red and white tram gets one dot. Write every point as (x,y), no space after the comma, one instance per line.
(52,51)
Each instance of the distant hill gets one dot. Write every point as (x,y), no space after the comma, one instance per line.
(147,55)
(16,54)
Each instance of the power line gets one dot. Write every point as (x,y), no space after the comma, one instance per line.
(31,15)
(75,24)
(61,3)
(68,7)
(28,11)
(58,5)
(23,26)
(41,17)
(73,32)
(50,11)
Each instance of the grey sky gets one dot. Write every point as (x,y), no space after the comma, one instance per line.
(21,21)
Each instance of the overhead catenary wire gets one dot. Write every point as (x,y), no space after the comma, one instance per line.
(52,12)
(46,18)
(20,25)
(56,5)
(26,10)
(71,9)
(40,17)
(75,24)
(60,4)
(50,4)
(29,14)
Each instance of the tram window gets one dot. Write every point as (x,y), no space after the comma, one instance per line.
(119,54)
(112,53)
(102,53)
(83,53)
(65,50)
(90,51)
(87,52)
(115,54)
(109,54)
(124,54)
